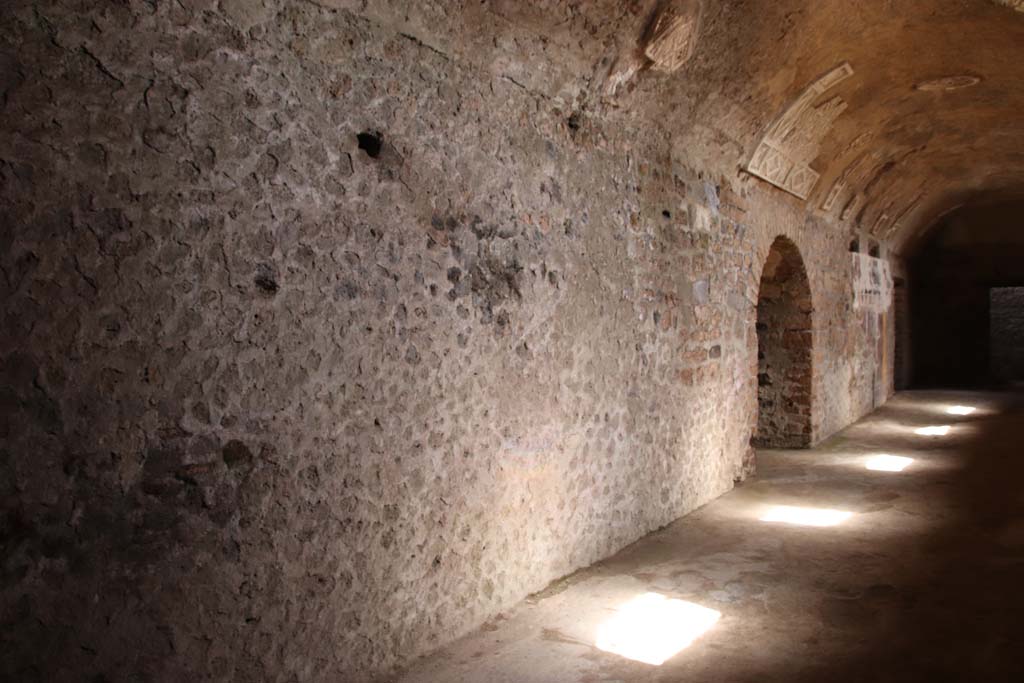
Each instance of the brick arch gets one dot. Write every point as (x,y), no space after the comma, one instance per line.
(784,350)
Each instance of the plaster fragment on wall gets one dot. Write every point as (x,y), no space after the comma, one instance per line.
(700,218)
(674,35)
(833,194)
(897,224)
(882,218)
(872,283)
(711,197)
(1013,4)
(948,83)
(851,207)
(844,180)
(853,174)
(783,156)
(856,144)
(621,73)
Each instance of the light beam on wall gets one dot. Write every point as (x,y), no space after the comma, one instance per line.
(937,430)
(883,462)
(805,516)
(960,410)
(651,628)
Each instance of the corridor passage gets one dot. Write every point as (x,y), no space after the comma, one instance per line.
(894,551)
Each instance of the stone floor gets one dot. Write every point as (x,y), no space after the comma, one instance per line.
(924,581)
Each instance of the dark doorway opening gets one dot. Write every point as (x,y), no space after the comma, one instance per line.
(784,351)
(901,332)
(971,260)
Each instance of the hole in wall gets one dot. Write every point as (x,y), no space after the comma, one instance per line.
(266,279)
(236,454)
(666,213)
(371,143)
(855,246)
(874,249)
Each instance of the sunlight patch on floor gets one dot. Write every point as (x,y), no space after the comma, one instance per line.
(883,462)
(651,628)
(802,516)
(935,430)
(960,410)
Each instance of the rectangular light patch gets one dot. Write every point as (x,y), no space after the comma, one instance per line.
(805,516)
(652,628)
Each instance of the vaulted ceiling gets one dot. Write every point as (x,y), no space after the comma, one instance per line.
(880,114)
(926,111)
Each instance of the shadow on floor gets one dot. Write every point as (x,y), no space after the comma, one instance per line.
(953,608)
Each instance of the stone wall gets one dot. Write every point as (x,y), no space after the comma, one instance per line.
(1006,331)
(323,342)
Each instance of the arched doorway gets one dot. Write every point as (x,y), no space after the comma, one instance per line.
(784,345)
